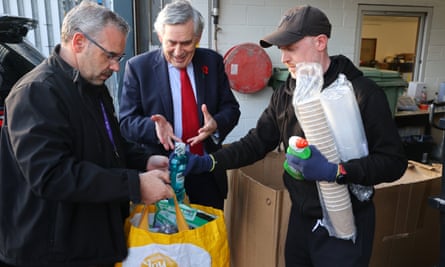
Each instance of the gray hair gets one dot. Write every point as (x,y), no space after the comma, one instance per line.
(179,12)
(91,18)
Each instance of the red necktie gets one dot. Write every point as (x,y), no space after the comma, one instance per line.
(190,120)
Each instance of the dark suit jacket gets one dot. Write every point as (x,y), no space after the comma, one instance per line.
(146,91)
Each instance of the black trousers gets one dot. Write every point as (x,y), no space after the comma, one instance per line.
(308,248)
(203,190)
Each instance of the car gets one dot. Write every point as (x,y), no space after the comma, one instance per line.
(17,55)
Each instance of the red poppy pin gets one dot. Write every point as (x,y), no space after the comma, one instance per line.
(205,69)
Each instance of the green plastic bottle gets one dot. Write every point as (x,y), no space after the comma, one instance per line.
(178,164)
(298,147)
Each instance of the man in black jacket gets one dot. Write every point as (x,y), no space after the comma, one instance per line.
(302,36)
(67,175)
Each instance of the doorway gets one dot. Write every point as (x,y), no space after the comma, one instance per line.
(393,38)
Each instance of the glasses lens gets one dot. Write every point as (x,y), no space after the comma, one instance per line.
(111,56)
(119,58)
(116,58)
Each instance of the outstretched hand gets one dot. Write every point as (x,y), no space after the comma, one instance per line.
(206,130)
(164,132)
(315,168)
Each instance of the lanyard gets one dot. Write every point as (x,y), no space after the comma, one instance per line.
(108,127)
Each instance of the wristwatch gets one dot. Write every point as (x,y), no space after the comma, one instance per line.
(341,175)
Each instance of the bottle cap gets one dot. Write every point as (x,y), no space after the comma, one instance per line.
(298,142)
(301,143)
(299,147)
(180,148)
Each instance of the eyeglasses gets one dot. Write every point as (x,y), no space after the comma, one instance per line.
(110,55)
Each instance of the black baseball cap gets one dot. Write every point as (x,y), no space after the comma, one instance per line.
(297,23)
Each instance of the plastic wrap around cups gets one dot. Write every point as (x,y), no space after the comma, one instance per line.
(335,199)
(337,208)
(343,116)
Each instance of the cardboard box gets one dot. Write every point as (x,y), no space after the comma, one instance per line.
(258,206)
(256,212)
(407,228)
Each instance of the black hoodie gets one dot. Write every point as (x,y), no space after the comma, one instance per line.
(386,161)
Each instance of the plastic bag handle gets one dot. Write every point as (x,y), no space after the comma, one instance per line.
(180,220)
(143,223)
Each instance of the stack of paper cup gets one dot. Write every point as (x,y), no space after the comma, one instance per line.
(335,199)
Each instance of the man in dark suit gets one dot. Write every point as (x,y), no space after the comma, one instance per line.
(151,103)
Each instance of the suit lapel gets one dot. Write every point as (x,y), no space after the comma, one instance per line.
(200,83)
(161,71)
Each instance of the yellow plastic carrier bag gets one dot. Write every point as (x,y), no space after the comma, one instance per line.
(204,246)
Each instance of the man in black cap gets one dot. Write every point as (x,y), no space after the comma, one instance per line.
(302,36)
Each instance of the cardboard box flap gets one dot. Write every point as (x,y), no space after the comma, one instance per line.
(258,207)
(257,204)
(416,172)
(268,171)
(406,226)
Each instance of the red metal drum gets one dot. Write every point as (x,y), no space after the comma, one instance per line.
(248,67)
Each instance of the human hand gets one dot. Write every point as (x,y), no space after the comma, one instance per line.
(157,162)
(314,168)
(206,130)
(198,164)
(155,186)
(164,132)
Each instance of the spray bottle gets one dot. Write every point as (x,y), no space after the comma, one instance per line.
(298,147)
